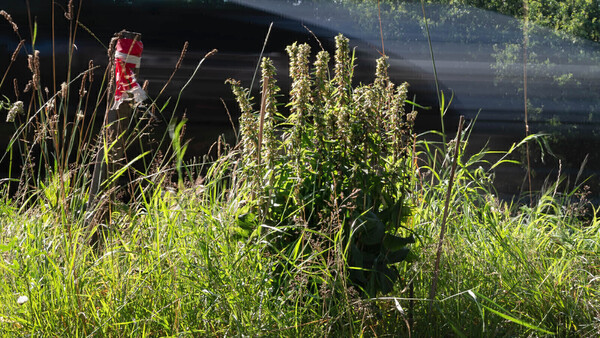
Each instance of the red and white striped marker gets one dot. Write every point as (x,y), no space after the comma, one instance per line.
(128,57)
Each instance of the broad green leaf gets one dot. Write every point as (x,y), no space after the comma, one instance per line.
(397,255)
(369,229)
(393,243)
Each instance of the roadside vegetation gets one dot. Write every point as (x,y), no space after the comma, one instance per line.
(322,220)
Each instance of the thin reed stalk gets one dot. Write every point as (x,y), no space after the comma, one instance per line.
(261,119)
(525,100)
(440,243)
(262,51)
(380,27)
(435,76)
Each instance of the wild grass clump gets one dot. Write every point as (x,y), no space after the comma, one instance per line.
(507,269)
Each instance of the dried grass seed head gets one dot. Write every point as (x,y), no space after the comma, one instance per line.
(91,71)
(16,109)
(64,90)
(112,46)
(13,58)
(80,115)
(211,53)
(33,63)
(69,12)
(28,86)
(82,90)
(182,55)
(30,62)
(10,20)
(50,104)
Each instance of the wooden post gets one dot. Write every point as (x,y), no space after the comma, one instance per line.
(111,152)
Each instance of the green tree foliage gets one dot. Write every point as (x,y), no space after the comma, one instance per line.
(577,17)
(580,18)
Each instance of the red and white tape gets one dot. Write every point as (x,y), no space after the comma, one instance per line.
(128,57)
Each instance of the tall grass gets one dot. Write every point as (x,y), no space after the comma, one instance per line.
(295,231)
(507,269)
(183,264)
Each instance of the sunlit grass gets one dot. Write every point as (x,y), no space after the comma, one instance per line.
(177,266)
(224,251)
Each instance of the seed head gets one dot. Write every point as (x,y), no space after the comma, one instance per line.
(28,86)
(320,96)
(16,109)
(64,90)
(80,115)
(33,62)
(270,91)
(10,20)
(300,92)
(248,121)
(182,55)
(91,71)
(69,13)
(211,53)
(381,72)
(16,52)
(112,47)
(82,90)
(342,65)
(50,104)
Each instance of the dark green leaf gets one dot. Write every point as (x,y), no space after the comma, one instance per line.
(397,256)
(393,243)
(369,229)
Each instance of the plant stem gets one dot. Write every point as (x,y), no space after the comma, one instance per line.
(263,100)
(260,57)
(380,28)
(437,86)
(525,45)
(445,218)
